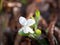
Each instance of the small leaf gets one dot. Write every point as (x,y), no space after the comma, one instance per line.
(37,18)
(22,33)
(31,35)
(32,17)
(37,13)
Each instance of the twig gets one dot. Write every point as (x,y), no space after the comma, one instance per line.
(51,31)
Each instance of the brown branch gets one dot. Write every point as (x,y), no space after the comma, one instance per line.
(30,10)
(51,31)
(57,34)
(17,40)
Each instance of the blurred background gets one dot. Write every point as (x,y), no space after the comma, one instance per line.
(11,10)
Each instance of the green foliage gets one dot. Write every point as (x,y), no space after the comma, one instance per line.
(37,18)
(23,2)
(37,15)
(22,33)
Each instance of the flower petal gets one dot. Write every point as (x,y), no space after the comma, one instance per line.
(22,21)
(20,32)
(28,30)
(30,22)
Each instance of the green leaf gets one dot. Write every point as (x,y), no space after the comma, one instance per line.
(32,17)
(37,14)
(37,17)
(31,35)
(22,33)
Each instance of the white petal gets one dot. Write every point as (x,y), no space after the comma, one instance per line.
(22,21)
(28,30)
(30,22)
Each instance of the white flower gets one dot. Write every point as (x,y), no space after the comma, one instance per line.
(26,23)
